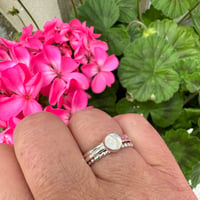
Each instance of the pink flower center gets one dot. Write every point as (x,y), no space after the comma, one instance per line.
(27,96)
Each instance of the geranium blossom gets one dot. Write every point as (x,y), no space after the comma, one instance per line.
(51,70)
(57,71)
(22,90)
(100,70)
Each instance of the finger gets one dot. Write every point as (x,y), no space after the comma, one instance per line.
(89,127)
(12,182)
(147,141)
(49,157)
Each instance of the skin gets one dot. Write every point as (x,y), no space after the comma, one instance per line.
(46,162)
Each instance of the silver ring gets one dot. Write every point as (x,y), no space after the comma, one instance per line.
(111,143)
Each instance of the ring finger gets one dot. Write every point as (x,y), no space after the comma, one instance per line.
(89,128)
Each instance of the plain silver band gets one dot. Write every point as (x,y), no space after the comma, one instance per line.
(100,150)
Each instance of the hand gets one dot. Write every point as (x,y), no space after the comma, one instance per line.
(46,162)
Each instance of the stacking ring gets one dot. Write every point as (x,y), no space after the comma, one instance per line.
(111,143)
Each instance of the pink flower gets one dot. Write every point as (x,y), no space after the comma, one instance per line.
(63,114)
(100,70)
(51,67)
(57,72)
(74,98)
(22,90)
(5,46)
(11,51)
(20,54)
(31,41)
(52,30)
(6,136)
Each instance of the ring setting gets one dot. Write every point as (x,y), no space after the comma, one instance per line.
(111,143)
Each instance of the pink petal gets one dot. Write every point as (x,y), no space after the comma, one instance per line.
(61,113)
(110,64)
(6,65)
(100,56)
(21,55)
(6,136)
(54,56)
(79,77)
(4,55)
(30,107)
(79,101)
(3,124)
(110,78)
(26,31)
(68,65)
(40,65)
(13,79)
(8,43)
(33,86)
(11,107)
(57,89)
(90,70)
(98,83)
(98,43)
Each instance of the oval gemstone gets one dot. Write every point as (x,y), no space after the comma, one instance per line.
(113,142)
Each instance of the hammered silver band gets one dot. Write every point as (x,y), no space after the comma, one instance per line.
(111,143)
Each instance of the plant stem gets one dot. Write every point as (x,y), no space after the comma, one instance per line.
(191,96)
(74,7)
(21,20)
(137,23)
(81,2)
(139,10)
(188,13)
(29,14)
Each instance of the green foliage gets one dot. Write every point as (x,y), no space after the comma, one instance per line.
(117,39)
(128,10)
(101,14)
(195,18)
(172,8)
(195,178)
(178,142)
(150,60)
(159,72)
(106,100)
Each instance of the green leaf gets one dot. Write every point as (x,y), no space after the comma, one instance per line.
(163,114)
(188,118)
(125,106)
(195,177)
(183,39)
(189,70)
(185,148)
(199,98)
(128,10)
(172,8)
(134,31)
(106,100)
(102,14)
(193,82)
(117,39)
(193,3)
(167,113)
(146,70)
(152,14)
(195,19)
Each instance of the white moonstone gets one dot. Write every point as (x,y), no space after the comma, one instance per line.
(113,142)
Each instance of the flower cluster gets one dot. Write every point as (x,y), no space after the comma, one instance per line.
(51,70)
